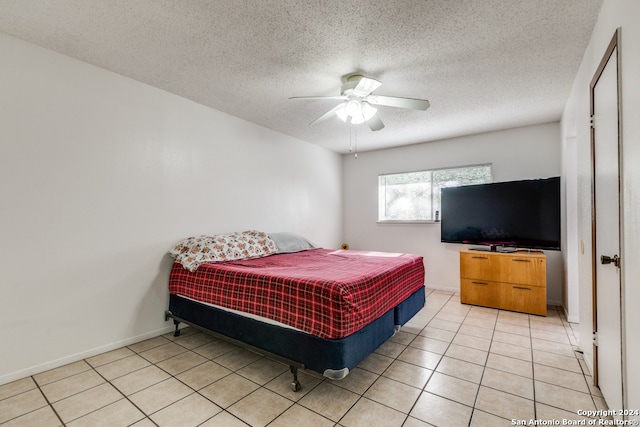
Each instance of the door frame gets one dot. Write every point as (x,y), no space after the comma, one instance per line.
(614,45)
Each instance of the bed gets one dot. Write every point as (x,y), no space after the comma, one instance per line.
(313,308)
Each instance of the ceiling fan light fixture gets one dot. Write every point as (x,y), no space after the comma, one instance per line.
(368,111)
(356,112)
(341,112)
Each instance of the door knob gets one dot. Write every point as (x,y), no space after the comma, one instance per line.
(615,260)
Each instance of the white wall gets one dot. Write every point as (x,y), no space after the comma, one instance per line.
(575,122)
(523,153)
(100,175)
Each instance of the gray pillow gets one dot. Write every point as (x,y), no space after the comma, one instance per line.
(290,242)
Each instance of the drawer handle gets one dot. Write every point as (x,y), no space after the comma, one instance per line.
(480,257)
(523,288)
(480,283)
(521,260)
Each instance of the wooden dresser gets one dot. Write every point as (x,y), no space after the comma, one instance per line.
(515,281)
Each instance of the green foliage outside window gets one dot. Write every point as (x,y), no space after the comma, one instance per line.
(415,196)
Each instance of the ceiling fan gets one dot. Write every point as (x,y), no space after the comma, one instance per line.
(358,102)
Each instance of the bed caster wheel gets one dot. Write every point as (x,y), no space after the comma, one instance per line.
(295,386)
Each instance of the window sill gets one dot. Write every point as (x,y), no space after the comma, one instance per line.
(408,222)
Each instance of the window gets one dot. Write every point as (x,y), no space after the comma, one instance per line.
(415,196)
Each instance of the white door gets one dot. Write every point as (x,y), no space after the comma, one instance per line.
(607,283)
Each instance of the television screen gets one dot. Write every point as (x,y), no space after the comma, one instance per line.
(524,214)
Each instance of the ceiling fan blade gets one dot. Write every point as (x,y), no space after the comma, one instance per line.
(395,101)
(327,115)
(317,97)
(365,86)
(375,123)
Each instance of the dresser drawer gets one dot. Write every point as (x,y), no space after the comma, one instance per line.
(524,298)
(480,292)
(531,271)
(477,265)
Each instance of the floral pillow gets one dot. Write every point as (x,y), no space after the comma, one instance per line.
(194,251)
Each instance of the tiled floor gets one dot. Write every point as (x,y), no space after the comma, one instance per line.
(452,365)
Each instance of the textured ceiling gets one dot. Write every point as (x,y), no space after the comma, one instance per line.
(484,65)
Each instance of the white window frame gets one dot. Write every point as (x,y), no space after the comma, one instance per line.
(382,206)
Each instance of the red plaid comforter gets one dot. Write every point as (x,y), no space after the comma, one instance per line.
(327,293)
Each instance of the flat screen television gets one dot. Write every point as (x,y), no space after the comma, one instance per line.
(515,214)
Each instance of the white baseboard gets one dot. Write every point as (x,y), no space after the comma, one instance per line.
(23,373)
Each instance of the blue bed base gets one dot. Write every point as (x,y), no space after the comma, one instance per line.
(332,358)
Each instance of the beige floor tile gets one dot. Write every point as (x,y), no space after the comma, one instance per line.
(263,370)
(460,369)
(146,422)
(139,380)
(430,344)
(482,312)
(510,364)
(475,331)
(415,376)
(160,395)
(329,400)
(402,337)
(479,323)
(162,352)
(182,362)
(260,407)
(237,359)
(509,383)
(414,422)
(563,398)
(148,344)
(467,354)
(515,339)
(557,361)
(88,401)
(452,388)
(282,384)
(473,342)
(438,334)
(16,387)
(504,326)
(229,390)
(194,340)
(439,411)
(542,334)
(560,377)
(110,356)
(552,347)
(215,349)
(547,412)
(453,306)
(450,317)
(504,405)
(444,324)
(422,358)
(376,363)
(119,413)
(21,404)
(394,394)
(484,419)
(390,349)
(358,380)
(366,413)
(224,419)
(69,386)
(298,415)
(191,411)
(511,350)
(61,372)
(118,368)
(203,375)
(43,417)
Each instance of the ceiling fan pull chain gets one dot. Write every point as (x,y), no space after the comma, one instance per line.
(355,137)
